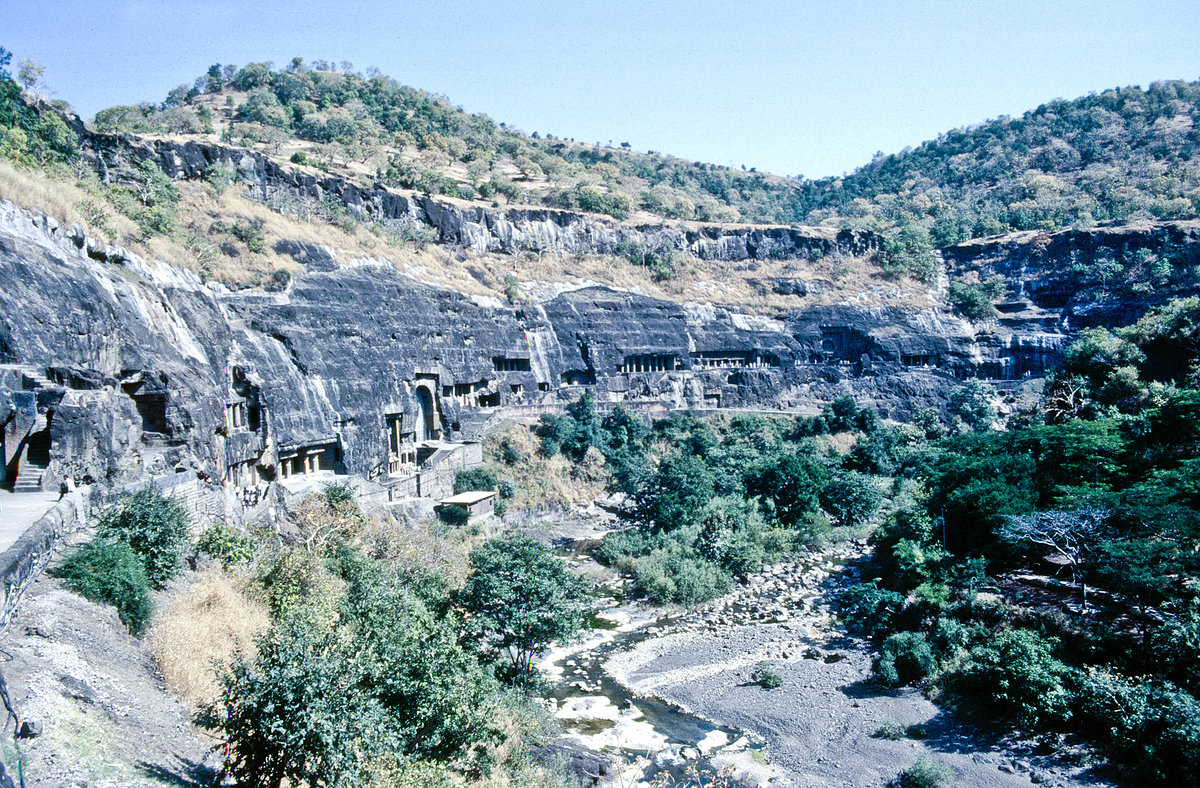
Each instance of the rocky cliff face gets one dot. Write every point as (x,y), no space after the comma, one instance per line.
(506,231)
(1099,276)
(149,369)
(122,367)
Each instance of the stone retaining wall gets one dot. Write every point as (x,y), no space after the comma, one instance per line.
(21,564)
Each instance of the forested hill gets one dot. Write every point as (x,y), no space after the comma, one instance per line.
(1122,153)
(1119,154)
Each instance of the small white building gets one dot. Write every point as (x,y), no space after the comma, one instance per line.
(478,503)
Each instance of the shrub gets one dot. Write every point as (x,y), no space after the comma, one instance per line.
(674,577)
(974,302)
(1154,727)
(850,498)
(474,479)
(905,657)
(339,495)
(226,545)
(1015,675)
(868,609)
(250,235)
(155,528)
(925,773)
(892,731)
(110,572)
(453,515)
(299,586)
(763,676)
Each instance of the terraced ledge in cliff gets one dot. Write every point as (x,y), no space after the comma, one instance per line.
(1106,275)
(506,231)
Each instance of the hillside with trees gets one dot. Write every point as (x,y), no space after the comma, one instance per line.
(1120,154)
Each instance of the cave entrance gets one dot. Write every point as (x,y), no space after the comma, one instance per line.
(427,420)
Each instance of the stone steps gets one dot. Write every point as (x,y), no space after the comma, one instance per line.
(29,478)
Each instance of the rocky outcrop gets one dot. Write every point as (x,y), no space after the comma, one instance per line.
(505,231)
(1107,275)
(154,371)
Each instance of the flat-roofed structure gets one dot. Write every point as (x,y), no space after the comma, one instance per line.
(477,503)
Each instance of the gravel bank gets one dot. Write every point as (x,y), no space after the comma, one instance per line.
(821,724)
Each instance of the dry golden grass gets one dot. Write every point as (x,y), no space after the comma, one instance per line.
(36,190)
(743,285)
(203,628)
(71,204)
(540,480)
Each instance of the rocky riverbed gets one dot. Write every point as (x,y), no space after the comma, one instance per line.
(661,691)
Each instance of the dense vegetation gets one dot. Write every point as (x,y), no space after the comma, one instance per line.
(713,500)
(31,134)
(1120,153)
(1047,575)
(139,545)
(420,652)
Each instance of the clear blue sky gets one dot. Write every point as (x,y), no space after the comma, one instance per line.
(811,88)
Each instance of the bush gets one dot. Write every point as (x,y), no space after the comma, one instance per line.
(925,773)
(298,586)
(974,302)
(453,515)
(110,572)
(1015,675)
(474,479)
(155,528)
(1154,727)
(850,498)
(339,495)
(869,610)
(226,545)
(763,676)
(674,577)
(905,657)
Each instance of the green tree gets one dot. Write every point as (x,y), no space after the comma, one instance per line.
(520,598)
(676,493)
(789,487)
(972,404)
(908,250)
(154,526)
(850,498)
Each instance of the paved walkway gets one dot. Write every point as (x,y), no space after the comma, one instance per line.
(18,511)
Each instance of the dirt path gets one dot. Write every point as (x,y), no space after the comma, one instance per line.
(105,716)
(821,725)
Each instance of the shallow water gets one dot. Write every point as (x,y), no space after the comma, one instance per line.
(625,725)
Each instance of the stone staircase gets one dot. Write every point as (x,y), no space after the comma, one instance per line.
(29,479)
(35,380)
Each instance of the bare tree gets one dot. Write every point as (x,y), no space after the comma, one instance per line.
(1071,535)
(1066,399)
(29,74)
